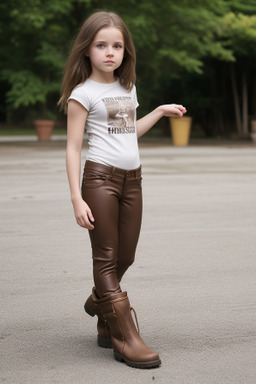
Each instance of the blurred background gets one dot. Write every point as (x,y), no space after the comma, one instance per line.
(200,53)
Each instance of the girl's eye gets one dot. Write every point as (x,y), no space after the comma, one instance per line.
(100,45)
(117,46)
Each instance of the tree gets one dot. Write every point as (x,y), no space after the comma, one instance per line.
(172,39)
(33,34)
(239,31)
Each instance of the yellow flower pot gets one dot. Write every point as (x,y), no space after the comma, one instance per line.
(180,130)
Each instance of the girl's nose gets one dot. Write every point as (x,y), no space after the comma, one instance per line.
(109,51)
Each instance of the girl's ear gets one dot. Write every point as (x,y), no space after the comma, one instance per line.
(87,54)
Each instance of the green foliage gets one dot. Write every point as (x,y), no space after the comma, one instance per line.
(47,55)
(242,6)
(240,32)
(26,89)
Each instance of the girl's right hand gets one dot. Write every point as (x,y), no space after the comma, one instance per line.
(83,214)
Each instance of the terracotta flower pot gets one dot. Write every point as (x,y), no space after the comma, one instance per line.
(180,130)
(44,129)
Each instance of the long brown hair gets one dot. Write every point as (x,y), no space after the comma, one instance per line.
(78,67)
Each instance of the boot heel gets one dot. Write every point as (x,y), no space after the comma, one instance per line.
(104,343)
(118,357)
(88,310)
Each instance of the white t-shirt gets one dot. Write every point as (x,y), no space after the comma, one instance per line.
(111,123)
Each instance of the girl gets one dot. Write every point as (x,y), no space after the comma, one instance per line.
(100,94)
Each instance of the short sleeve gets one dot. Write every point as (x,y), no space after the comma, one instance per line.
(79,95)
(134,96)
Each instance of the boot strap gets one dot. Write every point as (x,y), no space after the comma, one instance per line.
(136,319)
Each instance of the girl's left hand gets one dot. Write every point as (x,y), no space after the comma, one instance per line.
(173,110)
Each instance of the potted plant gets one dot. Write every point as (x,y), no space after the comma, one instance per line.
(44,126)
(34,94)
(32,75)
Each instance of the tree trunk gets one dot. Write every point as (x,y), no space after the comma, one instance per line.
(252,107)
(236,101)
(245,131)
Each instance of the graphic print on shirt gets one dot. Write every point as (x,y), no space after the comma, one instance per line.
(120,114)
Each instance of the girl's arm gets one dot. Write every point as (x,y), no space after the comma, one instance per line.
(168,110)
(77,116)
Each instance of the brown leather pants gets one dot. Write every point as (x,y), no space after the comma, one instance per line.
(114,196)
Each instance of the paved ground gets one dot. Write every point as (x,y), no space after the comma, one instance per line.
(193,284)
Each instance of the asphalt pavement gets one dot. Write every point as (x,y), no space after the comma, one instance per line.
(192,285)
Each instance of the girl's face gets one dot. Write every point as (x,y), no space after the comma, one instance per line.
(106,53)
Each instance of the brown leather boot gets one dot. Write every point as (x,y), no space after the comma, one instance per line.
(91,307)
(126,342)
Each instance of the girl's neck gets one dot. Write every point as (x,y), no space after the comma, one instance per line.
(105,79)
